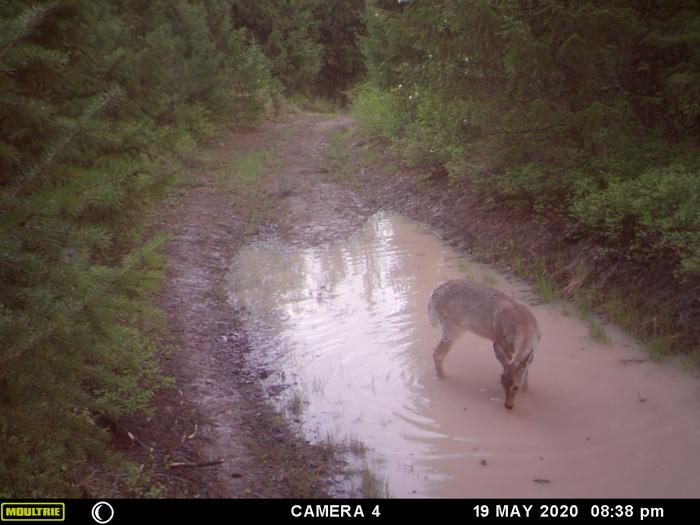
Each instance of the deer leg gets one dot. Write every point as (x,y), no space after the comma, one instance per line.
(500,355)
(525,381)
(439,353)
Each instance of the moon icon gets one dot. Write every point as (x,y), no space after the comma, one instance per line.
(108,515)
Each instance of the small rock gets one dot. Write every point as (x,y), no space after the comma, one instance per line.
(484,462)
(540,480)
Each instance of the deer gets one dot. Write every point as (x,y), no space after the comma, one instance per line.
(462,305)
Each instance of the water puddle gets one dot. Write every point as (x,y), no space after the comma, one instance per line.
(346,329)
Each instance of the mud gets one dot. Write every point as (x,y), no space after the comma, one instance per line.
(216,410)
(350,338)
(344,326)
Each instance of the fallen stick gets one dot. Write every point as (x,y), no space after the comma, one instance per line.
(209,463)
(635,361)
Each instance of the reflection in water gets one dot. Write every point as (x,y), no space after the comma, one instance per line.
(347,314)
(347,325)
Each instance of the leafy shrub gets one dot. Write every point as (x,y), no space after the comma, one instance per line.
(379,111)
(582,109)
(658,212)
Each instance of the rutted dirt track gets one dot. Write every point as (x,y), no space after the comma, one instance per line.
(217,410)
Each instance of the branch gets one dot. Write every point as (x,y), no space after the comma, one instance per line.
(61,143)
(130,263)
(209,463)
(24,24)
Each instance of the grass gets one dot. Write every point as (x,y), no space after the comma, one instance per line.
(488,277)
(619,309)
(248,169)
(285,133)
(545,289)
(691,360)
(278,458)
(621,313)
(331,441)
(314,104)
(356,445)
(658,348)
(337,156)
(295,404)
(519,266)
(350,443)
(373,486)
(466,269)
(596,331)
(368,155)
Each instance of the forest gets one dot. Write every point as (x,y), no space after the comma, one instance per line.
(585,114)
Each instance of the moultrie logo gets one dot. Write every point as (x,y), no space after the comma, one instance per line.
(34,511)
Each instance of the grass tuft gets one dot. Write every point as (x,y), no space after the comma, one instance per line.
(658,348)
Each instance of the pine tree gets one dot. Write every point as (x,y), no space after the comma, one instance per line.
(340,25)
(568,108)
(288,35)
(94,98)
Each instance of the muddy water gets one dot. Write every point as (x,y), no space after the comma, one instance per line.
(345,327)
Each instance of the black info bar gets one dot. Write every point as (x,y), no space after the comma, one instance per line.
(123,511)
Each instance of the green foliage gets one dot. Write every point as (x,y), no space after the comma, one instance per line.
(337,156)
(312,45)
(340,24)
(379,111)
(691,361)
(657,212)
(97,101)
(585,110)
(248,169)
(545,289)
(596,331)
(288,35)
(658,347)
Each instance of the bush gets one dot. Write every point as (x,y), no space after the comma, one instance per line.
(380,112)
(658,212)
(584,110)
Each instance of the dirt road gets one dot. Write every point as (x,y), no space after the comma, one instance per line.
(215,411)
(280,180)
